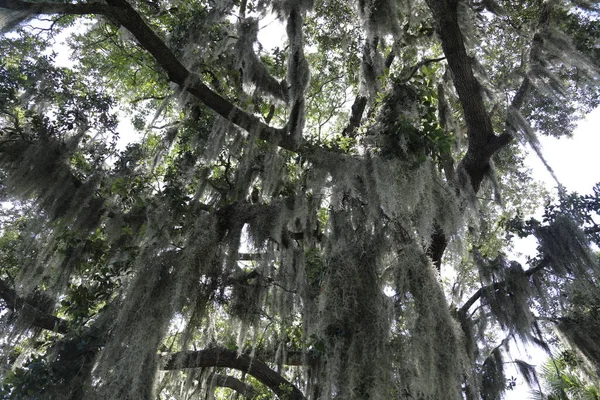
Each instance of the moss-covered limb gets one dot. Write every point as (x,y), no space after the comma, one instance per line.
(298,74)
(35,8)
(121,12)
(233,383)
(583,334)
(483,143)
(357,111)
(232,218)
(177,73)
(294,357)
(203,358)
(253,69)
(515,125)
(464,309)
(370,73)
(361,99)
(526,85)
(493,382)
(29,313)
(436,249)
(225,358)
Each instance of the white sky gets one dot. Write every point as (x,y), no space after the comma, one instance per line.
(575,162)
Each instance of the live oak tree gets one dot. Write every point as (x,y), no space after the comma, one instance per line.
(329,218)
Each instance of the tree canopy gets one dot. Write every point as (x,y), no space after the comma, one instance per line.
(190,212)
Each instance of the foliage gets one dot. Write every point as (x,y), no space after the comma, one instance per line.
(563,379)
(192,209)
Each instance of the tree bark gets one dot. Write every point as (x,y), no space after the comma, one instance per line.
(225,358)
(121,12)
(29,313)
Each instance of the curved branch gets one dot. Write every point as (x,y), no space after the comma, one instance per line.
(121,11)
(213,357)
(232,383)
(224,358)
(410,72)
(495,286)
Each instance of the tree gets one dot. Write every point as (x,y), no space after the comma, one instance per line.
(564,381)
(268,234)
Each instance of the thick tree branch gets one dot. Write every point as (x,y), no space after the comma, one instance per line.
(29,313)
(495,286)
(369,74)
(57,8)
(483,143)
(120,11)
(224,358)
(177,73)
(232,383)
(358,109)
(479,123)
(534,56)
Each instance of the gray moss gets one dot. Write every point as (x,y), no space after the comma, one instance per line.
(253,70)
(567,249)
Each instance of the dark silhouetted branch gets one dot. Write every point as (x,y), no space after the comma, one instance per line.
(120,11)
(29,313)
(495,286)
(232,383)
(225,358)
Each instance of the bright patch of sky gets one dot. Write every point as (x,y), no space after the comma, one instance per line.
(271,33)
(575,161)
(576,164)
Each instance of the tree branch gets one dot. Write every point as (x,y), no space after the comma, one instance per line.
(29,313)
(408,74)
(495,286)
(58,8)
(479,123)
(224,358)
(232,383)
(358,109)
(534,55)
(483,143)
(120,11)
